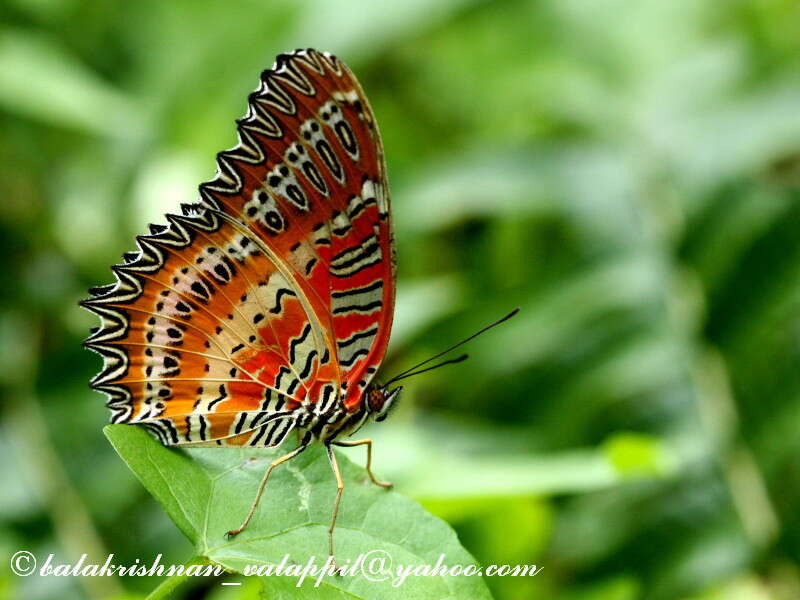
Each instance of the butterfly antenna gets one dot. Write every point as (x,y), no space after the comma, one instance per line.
(413,370)
(451,361)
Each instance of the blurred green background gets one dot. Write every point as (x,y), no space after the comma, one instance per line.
(625,172)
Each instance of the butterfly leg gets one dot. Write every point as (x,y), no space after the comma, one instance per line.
(262,485)
(368,443)
(339,490)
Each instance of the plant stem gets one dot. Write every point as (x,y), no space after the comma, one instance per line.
(166,587)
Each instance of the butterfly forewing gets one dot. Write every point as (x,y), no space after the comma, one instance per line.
(319,197)
(274,294)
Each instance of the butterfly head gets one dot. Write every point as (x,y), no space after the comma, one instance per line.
(381,400)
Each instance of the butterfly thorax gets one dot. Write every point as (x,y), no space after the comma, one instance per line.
(374,403)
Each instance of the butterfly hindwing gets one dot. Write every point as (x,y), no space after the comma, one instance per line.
(207,326)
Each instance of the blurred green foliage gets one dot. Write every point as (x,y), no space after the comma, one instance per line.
(625,172)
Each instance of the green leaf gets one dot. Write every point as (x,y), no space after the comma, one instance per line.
(207,491)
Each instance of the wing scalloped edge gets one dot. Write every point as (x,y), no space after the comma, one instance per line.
(178,233)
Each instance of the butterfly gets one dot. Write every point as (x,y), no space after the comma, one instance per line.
(266,306)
